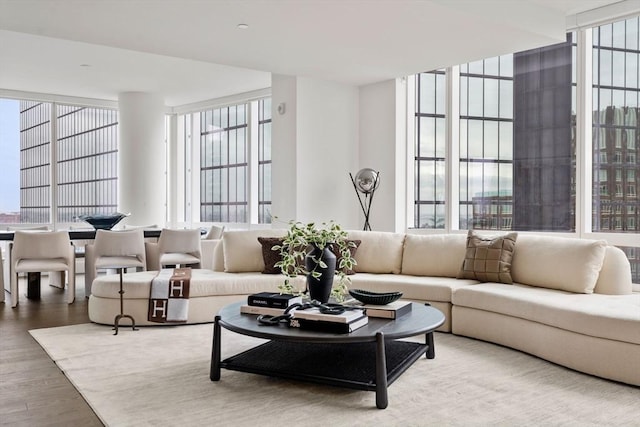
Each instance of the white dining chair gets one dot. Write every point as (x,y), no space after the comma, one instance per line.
(179,248)
(111,250)
(35,251)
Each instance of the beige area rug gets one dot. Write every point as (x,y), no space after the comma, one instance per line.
(159,376)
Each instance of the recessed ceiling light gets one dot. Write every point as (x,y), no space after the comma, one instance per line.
(243,26)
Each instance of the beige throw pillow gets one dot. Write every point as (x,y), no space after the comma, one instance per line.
(488,259)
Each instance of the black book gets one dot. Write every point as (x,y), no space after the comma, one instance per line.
(273,300)
(330,327)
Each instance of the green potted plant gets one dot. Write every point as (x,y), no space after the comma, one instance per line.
(311,250)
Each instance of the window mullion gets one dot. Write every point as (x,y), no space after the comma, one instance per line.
(452,137)
(584,143)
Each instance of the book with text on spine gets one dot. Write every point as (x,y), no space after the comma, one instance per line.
(388,311)
(273,299)
(329,327)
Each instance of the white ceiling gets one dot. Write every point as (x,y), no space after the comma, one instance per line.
(192,50)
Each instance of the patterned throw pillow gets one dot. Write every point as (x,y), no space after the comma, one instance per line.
(488,259)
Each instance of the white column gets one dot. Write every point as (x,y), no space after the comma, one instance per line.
(142,159)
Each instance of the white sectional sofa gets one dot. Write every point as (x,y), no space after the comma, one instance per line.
(571,300)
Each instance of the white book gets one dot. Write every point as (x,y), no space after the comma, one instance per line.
(315,314)
(254,309)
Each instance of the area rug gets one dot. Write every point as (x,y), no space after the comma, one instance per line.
(159,376)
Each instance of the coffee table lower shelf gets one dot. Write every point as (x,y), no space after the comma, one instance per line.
(350,365)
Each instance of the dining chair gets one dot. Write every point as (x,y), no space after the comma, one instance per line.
(38,251)
(113,250)
(179,248)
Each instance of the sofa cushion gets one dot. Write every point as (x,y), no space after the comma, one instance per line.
(420,288)
(567,264)
(612,317)
(488,258)
(243,252)
(379,252)
(433,255)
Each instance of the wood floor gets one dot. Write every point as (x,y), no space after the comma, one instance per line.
(33,391)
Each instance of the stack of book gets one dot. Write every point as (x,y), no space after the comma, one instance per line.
(271,303)
(313,319)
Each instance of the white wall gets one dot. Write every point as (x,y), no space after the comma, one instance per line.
(315,146)
(382,147)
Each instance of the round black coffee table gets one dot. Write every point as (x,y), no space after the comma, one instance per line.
(370,358)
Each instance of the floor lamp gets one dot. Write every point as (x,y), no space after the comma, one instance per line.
(366,182)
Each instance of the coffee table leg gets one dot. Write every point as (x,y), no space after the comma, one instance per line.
(381,373)
(214,371)
(431,351)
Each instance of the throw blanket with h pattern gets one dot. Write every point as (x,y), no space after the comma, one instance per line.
(169,299)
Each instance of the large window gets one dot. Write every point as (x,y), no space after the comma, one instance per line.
(87,161)
(616,53)
(486,143)
(224,164)
(430,150)
(235,162)
(517,120)
(82,144)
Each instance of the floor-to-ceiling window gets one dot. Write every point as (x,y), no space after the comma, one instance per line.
(224,164)
(486,144)
(518,139)
(82,144)
(616,129)
(430,150)
(233,152)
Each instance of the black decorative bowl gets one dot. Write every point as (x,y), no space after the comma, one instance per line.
(374,298)
(103,221)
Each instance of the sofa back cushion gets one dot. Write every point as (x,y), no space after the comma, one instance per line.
(566,264)
(437,255)
(379,251)
(615,275)
(241,250)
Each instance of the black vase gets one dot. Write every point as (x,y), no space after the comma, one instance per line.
(320,288)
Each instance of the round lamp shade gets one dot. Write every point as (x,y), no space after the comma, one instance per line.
(367,180)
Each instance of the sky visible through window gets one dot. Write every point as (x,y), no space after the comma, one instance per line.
(9,156)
